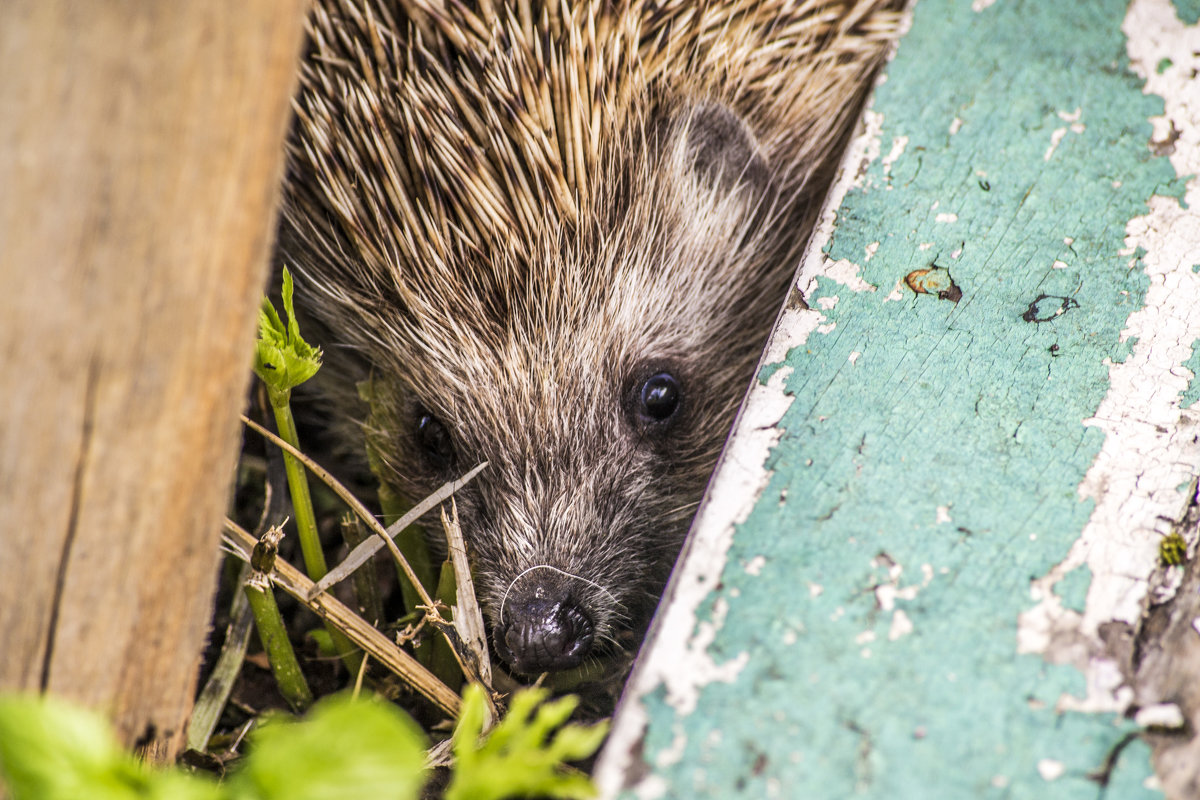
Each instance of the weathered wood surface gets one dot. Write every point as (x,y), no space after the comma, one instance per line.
(928,565)
(140,154)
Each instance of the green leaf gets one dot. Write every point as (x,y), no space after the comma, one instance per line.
(52,750)
(282,359)
(525,753)
(344,748)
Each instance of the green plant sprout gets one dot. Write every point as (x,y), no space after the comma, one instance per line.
(283,361)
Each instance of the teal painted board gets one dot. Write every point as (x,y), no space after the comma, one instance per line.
(944,498)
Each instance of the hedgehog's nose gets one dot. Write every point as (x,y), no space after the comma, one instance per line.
(544,635)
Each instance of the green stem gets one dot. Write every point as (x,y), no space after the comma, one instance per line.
(274,638)
(306,519)
(442,661)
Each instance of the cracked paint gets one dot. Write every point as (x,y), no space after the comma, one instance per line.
(1150,454)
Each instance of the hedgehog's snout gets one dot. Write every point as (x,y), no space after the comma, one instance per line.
(544,631)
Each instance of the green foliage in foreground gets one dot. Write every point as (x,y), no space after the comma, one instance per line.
(51,750)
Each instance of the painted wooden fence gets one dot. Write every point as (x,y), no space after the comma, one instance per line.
(932,561)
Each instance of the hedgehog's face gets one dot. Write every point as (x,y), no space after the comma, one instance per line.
(595,467)
(601,402)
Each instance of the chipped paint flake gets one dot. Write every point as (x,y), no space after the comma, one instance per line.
(1050,770)
(1148,457)
(946,217)
(1163,715)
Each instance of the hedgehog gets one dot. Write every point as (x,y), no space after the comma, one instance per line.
(553,237)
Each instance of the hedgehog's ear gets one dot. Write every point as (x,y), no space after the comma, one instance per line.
(722,151)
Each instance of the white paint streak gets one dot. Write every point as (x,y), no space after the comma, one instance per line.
(1055,138)
(898,145)
(955,125)
(854,356)
(1150,451)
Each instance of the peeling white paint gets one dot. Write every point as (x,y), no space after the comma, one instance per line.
(1163,715)
(863,150)
(673,753)
(1051,770)
(1149,454)
(897,292)
(755,565)
(955,125)
(901,625)
(898,145)
(846,272)
(827,303)
(980,5)
(793,329)
(946,217)
(943,515)
(1059,265)
(854,356)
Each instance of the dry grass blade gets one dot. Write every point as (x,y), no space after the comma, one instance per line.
(468,618)
(359,555)
(377,645)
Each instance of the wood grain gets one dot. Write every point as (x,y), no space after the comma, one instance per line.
(140,157)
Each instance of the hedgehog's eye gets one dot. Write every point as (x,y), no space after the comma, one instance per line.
(435,441)
(659,397)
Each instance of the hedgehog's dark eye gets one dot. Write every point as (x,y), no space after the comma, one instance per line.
(435,441)
(659,397)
